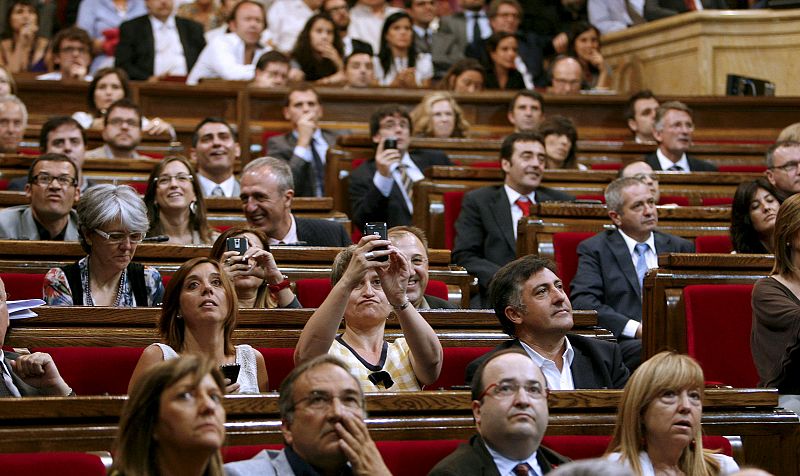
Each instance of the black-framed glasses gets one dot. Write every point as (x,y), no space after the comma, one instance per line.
(44,180)
(509,388)
(119,236)
(381,378)
(788,167)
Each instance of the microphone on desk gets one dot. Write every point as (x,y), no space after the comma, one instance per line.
(156,239)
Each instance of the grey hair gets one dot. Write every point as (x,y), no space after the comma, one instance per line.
(279,167)
(663,109)
(613,194)
(105,203)
(15,100)
(592,467)
(784,144)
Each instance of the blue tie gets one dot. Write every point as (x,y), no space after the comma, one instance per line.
(641,263)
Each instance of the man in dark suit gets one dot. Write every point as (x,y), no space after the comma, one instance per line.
(26,375)
(215,150)
(673,129)
(424,22)
(612,264)
(456,31)
(510,423)
(159,44)
(306,146)
(533,307)
(267,192)
(412,242)
(486,228)
(655,9)
(382,189)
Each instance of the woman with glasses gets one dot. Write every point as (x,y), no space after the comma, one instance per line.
(112,221)
(175,203)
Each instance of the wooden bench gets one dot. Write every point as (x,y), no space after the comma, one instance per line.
(769,434)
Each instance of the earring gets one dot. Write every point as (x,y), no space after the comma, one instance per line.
(193,207)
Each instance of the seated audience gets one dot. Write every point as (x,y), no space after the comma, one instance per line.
(382,189)
(533,308)
(465,77)
(658,428)
(175,203)
(614,15)
(108,86)
(673,128)
(782,171)
(112,221)
(368,17)
(22,49)
(776,311)
(27,375)
(640,170)
(318,52)
(584,45)
(267,192)
(321,436)
(272,70)
(359,70)
(286,21)
(339,11)
(640,115)
(173,421)
(566,75)
(501,70)
(560,141)
(369,284)
(215,150)
(71,51)
(510,423)
(233,55)
(158,44)
(526,111)
(412,242)
(438,115)
(13,121)
(101,20)
(753,215)
(8,86)
(198,317)
(52,190)
(204,12)
(398,64)
(258,281)
(122,132)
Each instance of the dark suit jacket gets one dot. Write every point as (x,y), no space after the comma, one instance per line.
(597,363)
(283,146)
(695,165)
(531,51)
(606,278)
(655,9)
(367,203)
(25,390)
(136,49)
(474,459)
(485,238)
(321,232)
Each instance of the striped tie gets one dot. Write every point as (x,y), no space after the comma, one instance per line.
(217,192)
(405,179)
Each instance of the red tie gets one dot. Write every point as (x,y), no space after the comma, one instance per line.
(525,205)
(690,6)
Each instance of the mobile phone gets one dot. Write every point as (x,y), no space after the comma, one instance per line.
(390,143)
(238,243)
(377,228)
(230,371)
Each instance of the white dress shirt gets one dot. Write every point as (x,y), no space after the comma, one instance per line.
(224,58)
(506,466)
(285,20)
(320,145)
(651,258)
(366,26)
(169,56)
(483,24)
(7,376)
(556,379)
(516,211)
(384,184)
(290,238)
(209,185)
(666,163)
(423,69)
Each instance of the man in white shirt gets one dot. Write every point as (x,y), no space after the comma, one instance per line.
(286,19)
(366,21)
(673,129)
(640,115)
(215,150)
(159,44)
(233,56)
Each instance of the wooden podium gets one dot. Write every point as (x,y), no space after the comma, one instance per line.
(691,54)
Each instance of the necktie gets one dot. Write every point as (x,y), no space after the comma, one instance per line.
(408,184)
(641,263)
(217,192)
(4,391)
(319,170)
(521,469)
(675,168)
(524,204)
(690,6)
(476,28)
(635,17)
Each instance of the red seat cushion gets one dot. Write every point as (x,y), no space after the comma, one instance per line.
(414,457)
(23,285)
(716,201)
(312,291)
(59,463)
(676,199)
(599,198)
(590,446)
(487,164)
(437,288)
(95,370)
(454,365)
(606,166)
(713,244)
(718,322)
(452,208)
(279,361)
(3,184)
(565,251)
(140,187)
(239,453)
(742,168)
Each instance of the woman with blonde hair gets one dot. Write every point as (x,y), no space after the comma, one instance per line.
(658,429)
(173,421)
(439,115)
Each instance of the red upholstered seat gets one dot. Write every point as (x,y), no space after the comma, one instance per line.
(312,291)
(676,199)
(437,288)
(565,250)
(599,198)
(742,168)
(487,164)
(713,244)
(716,201)
(23,285)
(589,446)
(238,453)
(3,184)
(452,208)
(140,187)
(606,166)
(718,322)
(57,464)
(279,361)
(95,370)
(454,365)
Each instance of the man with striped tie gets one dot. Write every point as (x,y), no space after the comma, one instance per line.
(673,130)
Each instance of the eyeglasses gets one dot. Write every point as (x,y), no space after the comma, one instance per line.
(165,180)
(319,400)
(118,121)
(652,177)
(788,167)
(45,180)
(381,378)
(509,388)
(119,237)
